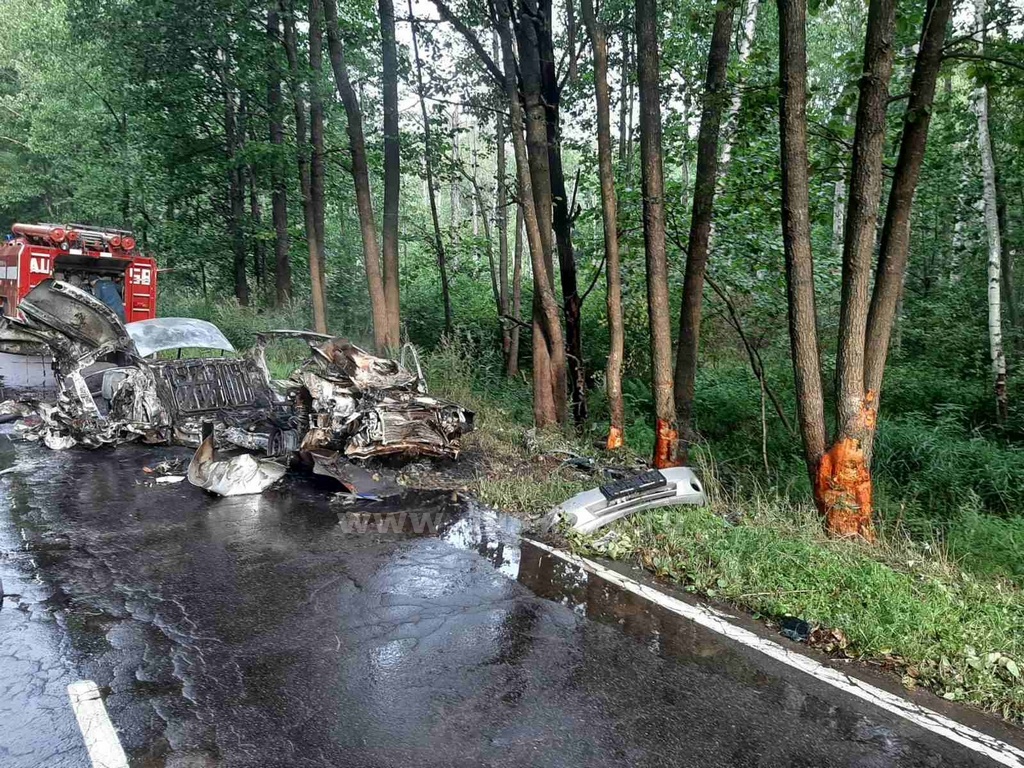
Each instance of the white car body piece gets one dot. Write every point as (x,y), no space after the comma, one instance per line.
(587,511)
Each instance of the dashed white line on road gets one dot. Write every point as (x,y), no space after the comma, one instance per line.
(1001,752)
(101,740)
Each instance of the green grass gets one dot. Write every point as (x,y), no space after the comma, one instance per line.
(900,603)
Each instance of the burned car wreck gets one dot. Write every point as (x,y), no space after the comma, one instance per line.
(340,404)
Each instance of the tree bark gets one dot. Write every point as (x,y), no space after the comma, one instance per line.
(512,359)
(609,212)
(501,222)
(624,106)
(360,175)
(796,231)
(715,95)
(895,243)
(549,346)
(843,486)
(649,79)
(317,195)
(562,220)
(392,172)
(236,188)
(279,188)
(988,175)
(302,147)
(442,264)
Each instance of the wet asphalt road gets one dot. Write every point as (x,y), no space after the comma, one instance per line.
(272,631)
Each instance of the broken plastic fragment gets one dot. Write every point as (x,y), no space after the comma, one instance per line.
(236,476)
(795,629)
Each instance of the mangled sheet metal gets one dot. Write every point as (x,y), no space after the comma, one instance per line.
(366,406)
(341,402)
(239,475)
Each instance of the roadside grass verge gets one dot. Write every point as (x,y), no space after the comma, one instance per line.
(899,604)
(910,604)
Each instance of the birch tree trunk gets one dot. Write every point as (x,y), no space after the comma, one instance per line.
(746,41)
(988,174)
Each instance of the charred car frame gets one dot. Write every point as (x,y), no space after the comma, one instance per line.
(112,388)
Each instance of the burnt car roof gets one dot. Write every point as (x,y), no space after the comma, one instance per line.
(163,333)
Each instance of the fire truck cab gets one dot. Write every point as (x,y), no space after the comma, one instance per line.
(100,261)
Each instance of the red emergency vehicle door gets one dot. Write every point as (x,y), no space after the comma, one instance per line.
(140,290)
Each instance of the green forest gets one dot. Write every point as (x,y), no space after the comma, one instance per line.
(772,240)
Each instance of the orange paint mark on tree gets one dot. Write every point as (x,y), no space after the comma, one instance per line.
(615,438)
(843,484)
(666,445)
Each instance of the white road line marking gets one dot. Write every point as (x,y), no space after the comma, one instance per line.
(101,740)
(1001,752)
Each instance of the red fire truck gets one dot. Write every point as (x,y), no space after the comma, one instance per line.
(80,255)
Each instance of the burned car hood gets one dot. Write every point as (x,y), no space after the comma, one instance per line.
(75,314)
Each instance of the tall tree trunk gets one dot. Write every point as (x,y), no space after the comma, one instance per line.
(796,231)
(746,42)
(549,396)
(236,187)
(609,212)
(392,172)
(843,486)
(895,243)
(302,149)
(279,188)
(649,80)
(442,264)
(501,221)
(318,261)
(988,175)
(1009,291)
(625,108)
(715,95)
(562,217)
(259,255)
(512,358)
(360,175)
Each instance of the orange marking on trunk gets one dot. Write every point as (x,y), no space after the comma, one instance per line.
(843,491)
(615,438)
(666,446)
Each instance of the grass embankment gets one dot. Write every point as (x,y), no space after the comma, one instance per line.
(904,604)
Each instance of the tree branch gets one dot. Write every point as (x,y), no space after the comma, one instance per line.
(474,42)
